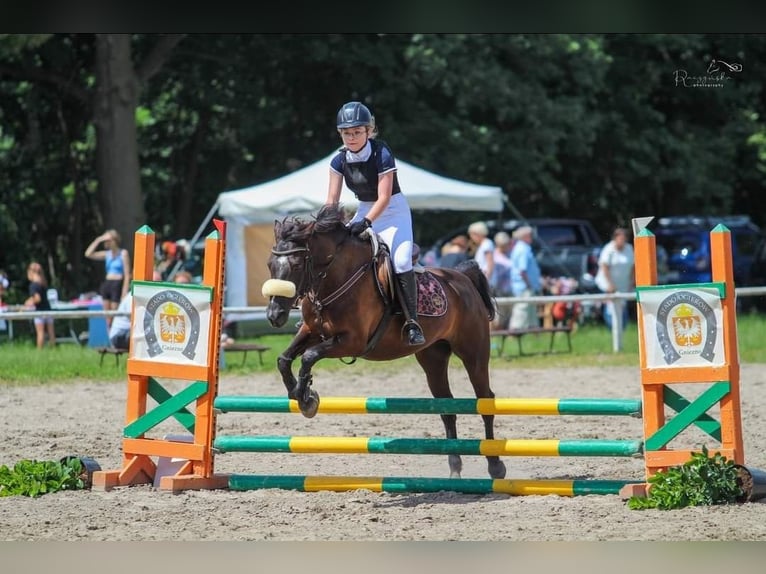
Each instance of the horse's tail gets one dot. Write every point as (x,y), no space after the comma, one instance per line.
(479,280)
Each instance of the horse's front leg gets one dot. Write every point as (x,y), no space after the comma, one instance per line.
(285,361)
(308,399)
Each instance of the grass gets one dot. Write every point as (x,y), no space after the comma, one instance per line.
(23,364)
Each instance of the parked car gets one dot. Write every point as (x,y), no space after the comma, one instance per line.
(563,247)
(756,278)
(686,240)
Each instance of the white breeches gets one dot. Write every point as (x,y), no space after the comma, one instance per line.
(394,227)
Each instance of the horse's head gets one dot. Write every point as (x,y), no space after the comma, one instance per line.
(301,253)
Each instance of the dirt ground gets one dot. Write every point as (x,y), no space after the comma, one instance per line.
(86,419)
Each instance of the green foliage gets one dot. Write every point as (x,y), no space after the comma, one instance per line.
(702,480)
(37,477)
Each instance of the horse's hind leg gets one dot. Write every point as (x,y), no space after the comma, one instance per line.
(434,361)
(477,366)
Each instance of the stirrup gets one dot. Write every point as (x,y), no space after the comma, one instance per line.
(414,334)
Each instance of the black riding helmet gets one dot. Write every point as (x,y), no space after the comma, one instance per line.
(354,114)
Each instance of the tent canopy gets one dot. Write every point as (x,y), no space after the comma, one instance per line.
(305,190)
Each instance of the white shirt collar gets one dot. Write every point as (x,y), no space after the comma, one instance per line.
(362,155)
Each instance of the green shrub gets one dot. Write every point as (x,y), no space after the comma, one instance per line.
(35,478)
(702,480)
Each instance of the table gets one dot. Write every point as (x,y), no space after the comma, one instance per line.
(98,332)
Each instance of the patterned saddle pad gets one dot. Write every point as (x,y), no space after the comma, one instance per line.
(432,300)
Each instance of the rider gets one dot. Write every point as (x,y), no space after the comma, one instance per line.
(369,169)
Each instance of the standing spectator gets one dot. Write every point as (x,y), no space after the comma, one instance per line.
(478,232)
(616,275)
(4,284)
(38,298)
(119,331)
(117,281)
(525,279)
(501,277)
(455,252)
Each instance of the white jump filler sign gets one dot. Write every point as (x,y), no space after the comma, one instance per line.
(683,326)
(171,323)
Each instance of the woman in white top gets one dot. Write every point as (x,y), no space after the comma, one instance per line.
(616,273)
(484,254)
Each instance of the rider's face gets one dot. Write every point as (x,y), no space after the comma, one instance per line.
(354,138)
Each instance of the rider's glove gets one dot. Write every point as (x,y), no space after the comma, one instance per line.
(359,227)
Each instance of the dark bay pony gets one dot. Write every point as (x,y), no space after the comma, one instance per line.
(340,282)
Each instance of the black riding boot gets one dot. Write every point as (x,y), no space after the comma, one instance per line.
(408,297)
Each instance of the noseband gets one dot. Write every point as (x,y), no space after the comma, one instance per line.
(307,266)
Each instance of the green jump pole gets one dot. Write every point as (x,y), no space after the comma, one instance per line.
(379,445)
(421,484)
(414,405)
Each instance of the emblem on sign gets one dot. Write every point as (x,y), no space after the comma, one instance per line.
(686,327)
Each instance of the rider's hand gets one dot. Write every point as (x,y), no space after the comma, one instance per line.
(359,227)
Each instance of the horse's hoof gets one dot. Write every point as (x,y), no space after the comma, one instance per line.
(454,474)
(310,406)
(497,469)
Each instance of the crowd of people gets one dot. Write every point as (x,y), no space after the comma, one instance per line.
(114,291)
(512,270)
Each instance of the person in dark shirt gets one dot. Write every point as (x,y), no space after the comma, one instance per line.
(38,298)
(455,252)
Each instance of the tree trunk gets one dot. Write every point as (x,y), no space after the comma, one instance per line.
(117,163)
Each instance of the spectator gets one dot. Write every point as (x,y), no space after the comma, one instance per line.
(119,332)
(525,279)
(455,252)
(117,281)
(478,232)
(616,275)
(38,299)
(501,277)
(171,255)
(182,276)
(4,284)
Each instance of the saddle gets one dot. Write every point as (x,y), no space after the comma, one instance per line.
(432,300)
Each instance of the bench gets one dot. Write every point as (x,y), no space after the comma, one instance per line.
(518,334)
(244,348)
(104,351)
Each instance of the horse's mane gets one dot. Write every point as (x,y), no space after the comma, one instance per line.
(328,218)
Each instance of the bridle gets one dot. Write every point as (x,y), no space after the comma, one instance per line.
(311,281)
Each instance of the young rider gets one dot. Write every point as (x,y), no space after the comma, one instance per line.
(369,169)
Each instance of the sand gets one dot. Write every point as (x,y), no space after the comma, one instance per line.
(86,419)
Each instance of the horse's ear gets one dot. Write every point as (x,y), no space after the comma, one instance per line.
(277,228)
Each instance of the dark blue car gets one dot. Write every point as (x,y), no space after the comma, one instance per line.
(686,240)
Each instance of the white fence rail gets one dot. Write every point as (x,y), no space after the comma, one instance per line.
(259,313)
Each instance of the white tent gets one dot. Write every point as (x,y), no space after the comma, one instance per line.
(250,214)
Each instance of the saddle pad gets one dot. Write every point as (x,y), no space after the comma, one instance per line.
(432,301)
